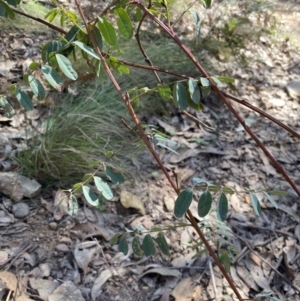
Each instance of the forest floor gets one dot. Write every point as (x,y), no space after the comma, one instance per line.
(58,257)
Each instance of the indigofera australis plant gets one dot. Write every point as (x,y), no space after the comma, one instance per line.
(91,41)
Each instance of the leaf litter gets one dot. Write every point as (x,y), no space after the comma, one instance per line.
(90,269)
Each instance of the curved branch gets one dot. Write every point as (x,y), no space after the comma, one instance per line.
(48,24)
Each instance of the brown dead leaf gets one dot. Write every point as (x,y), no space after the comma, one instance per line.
(185,155)
(84,253)
(11,283)
(129,200)
(103,277)
(61,205)
(67,292)
(99,282)
(183,290)
(3,257)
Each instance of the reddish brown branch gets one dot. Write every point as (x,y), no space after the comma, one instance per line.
(220,94)
(126,100)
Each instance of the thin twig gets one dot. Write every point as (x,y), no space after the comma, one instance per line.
(266,262)
(212,277)
(248,225)
(50,25)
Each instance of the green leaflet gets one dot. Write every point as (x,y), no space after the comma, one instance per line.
(114,239)
(8,109)
(115,177)
(137,247)
(270,198)
(162,243)
(66,66)
(5,10)
(194,91)
(72,205)
(180,96)
(224,258)
(255,203)
(183,202)
(123,245)
(204,82)
(148,245)
(103,188)
(164,91)
(204,203)
(51,14)
(36,87)
(90,196)
(52,77)
(24,100)
(206,3)
(124,23)
(222,207)
(87,49)
(197,21)
(107,30)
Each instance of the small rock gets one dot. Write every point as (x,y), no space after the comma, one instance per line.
(20,210)
(17,186)
(169,202)
(293,89)
(277,102)
(53,225)
(62,248)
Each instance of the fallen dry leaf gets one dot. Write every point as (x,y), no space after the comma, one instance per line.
(84,253)
(66,292)
(183,291)
(43,286)
(129,200)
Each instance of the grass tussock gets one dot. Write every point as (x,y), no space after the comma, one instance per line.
(79,131)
